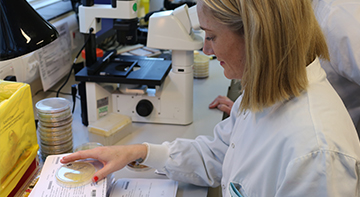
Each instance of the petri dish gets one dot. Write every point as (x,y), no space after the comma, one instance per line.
(67,121)
(52,105)
(57,149)
(75,174)
(137,167)
(87,146)
(64,128)
(54,117)
(45,154)
(56,140)
(54,133)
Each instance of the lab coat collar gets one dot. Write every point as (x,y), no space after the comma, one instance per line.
(314,71)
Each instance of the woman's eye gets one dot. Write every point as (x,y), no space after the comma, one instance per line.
(209,38)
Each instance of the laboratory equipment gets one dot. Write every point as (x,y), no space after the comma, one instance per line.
(125,23)
(149,90)
(20,35)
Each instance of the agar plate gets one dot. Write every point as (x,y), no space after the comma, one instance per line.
(137,167)
(75,174)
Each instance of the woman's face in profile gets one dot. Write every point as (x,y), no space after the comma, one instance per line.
(226,45)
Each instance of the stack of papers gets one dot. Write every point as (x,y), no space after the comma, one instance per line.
(48,186)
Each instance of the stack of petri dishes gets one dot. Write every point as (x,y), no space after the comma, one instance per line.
(54,126)
(201,66)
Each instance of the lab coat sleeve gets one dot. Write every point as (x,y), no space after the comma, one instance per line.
(197,161)
(321,173)
(341,25)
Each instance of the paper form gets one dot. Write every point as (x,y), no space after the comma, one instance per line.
(55,58)
(144,188)
(47,185)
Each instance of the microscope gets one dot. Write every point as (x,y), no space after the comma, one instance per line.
(149,90)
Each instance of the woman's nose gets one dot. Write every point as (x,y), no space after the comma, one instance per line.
(207,49)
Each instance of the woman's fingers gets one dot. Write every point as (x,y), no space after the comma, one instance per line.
(223,103)
(102,173)
(224,108)
(84,154)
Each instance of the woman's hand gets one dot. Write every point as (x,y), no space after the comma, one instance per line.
(223,103)
(113,157)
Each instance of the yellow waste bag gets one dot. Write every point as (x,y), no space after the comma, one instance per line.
(18,142)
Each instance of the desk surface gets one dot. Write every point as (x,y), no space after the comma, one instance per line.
(205,91)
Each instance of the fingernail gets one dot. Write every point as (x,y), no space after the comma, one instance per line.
(95,179)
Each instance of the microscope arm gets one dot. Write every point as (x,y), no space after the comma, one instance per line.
(172,30)
(89,15)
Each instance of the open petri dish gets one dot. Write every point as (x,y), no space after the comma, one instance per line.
(75,174)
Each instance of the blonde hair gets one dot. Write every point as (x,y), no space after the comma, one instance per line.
(281,38)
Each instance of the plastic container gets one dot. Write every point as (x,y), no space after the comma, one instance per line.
(110,129)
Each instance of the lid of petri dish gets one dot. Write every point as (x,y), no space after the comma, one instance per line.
(55,115)
(75,174)
(52,105)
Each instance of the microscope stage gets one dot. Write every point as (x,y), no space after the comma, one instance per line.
(129,70)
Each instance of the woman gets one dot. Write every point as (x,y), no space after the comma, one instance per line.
(340,22)
(288,134)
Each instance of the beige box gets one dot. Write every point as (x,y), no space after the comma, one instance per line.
(110,129)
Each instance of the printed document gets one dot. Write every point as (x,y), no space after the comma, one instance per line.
(144,187)
(47,185)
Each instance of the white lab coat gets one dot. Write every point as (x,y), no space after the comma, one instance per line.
(306,146)
(340,22)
